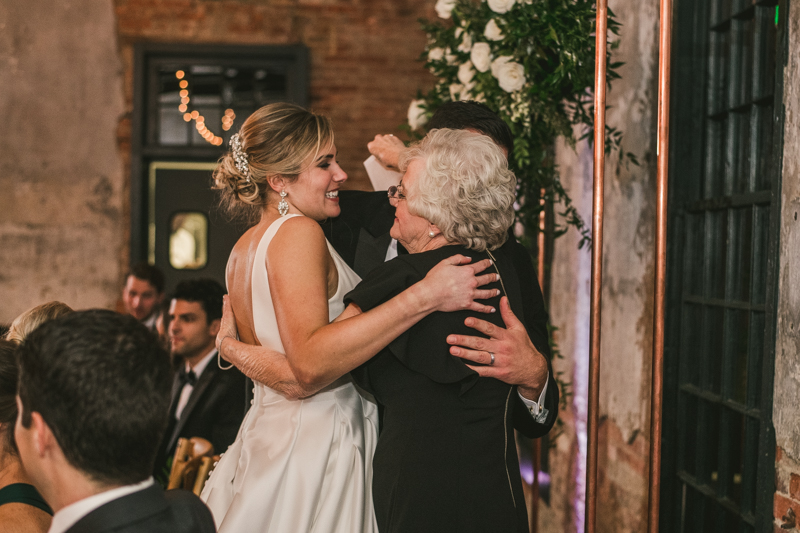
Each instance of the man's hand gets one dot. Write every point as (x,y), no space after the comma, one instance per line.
(454,284)
(516,359)
(386,148)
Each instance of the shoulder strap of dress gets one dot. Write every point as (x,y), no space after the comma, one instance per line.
(23,493)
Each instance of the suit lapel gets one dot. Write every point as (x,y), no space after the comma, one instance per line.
(203,383)
(370,251)
(122,511)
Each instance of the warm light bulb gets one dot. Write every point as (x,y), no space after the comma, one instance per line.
(184,84)
(182,108)
(195,114)
(179,74)
(187,117)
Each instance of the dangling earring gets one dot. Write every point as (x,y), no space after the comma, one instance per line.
(283,205)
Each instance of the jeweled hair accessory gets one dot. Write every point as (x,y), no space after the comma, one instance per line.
(239,157)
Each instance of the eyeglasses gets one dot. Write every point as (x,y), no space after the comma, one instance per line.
(394,192)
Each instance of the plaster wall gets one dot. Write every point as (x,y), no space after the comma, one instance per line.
(61,177)
(628,269)
(787,363)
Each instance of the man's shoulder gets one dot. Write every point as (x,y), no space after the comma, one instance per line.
(150,510)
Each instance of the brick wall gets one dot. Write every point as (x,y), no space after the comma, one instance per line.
(787,493)
(363,68)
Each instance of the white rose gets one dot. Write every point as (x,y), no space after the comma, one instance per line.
(465,72)
(435,54)
(455,91)
(466,43)
(444,8)
(416,114)
(493,32)
(501,6)
(510,74)
(481,56)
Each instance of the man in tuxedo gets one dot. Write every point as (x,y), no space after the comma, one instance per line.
(94,390)
(518,355)
(207,401)
(143,292)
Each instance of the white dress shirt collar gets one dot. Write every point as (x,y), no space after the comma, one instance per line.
(199,367)
(69,515)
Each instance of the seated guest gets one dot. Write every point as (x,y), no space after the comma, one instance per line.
(93,393)
(143,291)
(22,510)
(33,318)
(206,402)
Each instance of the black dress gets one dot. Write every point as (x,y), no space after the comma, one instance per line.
(446,458)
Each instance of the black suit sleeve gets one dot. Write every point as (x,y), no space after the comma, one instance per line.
(230,408)
(535,319)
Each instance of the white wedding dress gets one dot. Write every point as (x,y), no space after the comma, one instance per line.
(303,465)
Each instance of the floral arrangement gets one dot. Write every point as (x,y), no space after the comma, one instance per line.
(532,62)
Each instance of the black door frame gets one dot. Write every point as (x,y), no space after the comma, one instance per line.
(687,118)
(143,116)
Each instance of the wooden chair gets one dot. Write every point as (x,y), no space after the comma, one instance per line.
(193,462)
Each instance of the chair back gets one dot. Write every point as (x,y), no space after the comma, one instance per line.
(194,459)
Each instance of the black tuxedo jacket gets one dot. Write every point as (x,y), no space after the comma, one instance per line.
(360,234)
(150,510)
(214,411)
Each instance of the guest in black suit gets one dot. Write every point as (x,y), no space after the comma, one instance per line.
(360,234)
(93,396)
(206,402)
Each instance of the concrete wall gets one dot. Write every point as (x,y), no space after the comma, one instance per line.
(61,176)
(628,268)
(787,364)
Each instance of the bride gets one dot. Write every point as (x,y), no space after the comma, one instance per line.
(306,464)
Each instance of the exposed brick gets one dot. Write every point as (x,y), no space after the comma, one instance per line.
(782,504)
(794,487)
(363,54)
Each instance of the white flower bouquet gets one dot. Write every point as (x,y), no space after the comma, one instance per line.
(530,61)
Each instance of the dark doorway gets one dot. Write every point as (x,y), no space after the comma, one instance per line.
(718,439)
(188,102)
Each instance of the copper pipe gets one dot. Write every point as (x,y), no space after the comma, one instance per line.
(536,448)
(662,155)
(601,31)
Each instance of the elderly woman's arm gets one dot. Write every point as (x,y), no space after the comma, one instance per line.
(325,353)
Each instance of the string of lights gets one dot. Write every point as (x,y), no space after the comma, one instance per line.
(200,122)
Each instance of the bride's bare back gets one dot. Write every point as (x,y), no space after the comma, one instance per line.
(240,272)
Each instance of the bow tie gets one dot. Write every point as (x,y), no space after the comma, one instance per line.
(187,377)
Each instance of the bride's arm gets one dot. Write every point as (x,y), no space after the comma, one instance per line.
(259,363)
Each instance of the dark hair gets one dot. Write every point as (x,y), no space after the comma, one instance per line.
(9,375)
(101,382)
(474,116)
(149,273)
(206,291)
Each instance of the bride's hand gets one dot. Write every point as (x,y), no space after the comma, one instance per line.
(227,326)
(454,284)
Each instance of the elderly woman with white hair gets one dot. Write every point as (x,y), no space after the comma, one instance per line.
(445,459)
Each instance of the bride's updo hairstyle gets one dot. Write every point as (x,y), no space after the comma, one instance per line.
(276,140)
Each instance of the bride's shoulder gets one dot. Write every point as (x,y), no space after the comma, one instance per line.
(299,232)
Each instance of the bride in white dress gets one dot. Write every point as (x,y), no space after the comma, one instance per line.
(303,465)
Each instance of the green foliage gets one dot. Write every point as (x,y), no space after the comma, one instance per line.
(536,71)
(543,92)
